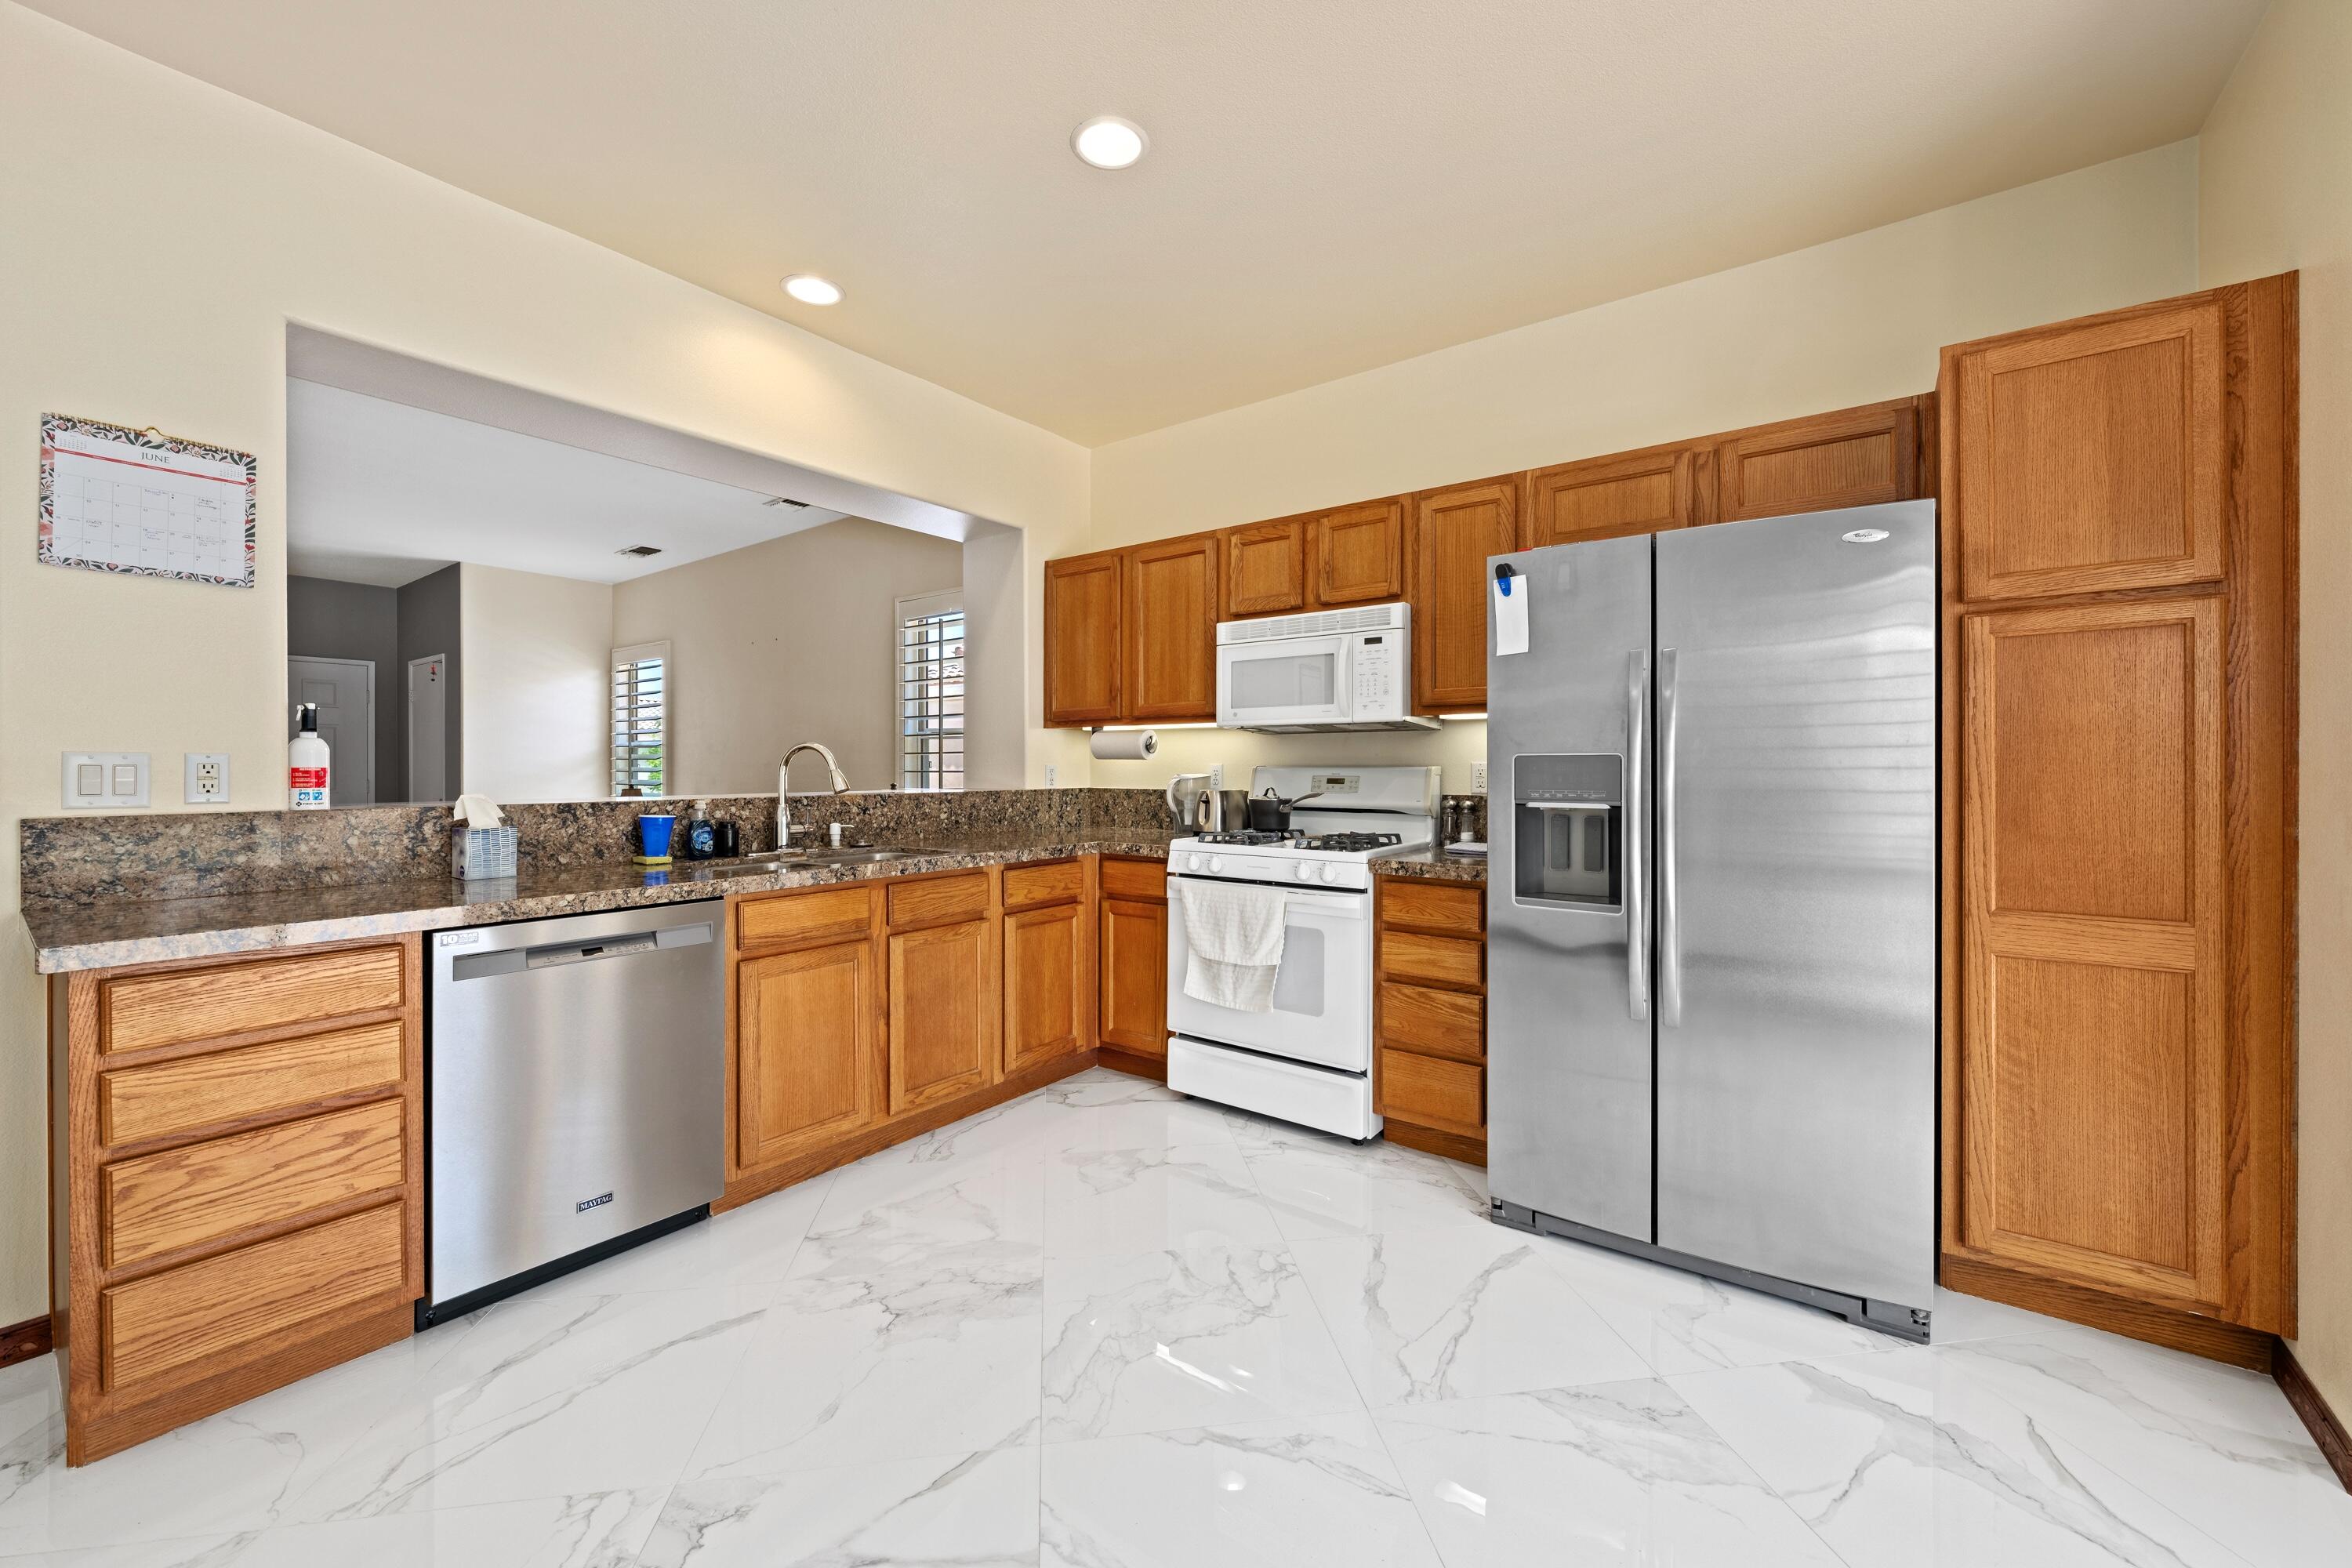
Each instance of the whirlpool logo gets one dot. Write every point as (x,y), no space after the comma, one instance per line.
(599,1201)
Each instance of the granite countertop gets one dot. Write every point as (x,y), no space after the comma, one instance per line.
(104,933)
(1434,865)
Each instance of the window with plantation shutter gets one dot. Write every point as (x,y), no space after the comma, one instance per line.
(931,691)
(641,718)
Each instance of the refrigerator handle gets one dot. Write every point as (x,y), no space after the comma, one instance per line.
(1637,925)
(1670,924)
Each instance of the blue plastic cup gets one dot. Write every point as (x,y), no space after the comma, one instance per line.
(653,833)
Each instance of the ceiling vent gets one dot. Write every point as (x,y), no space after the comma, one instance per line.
(640,551)
(784,500)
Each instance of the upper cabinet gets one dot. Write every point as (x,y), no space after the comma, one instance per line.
(1083,606)
(1171,667)
(2091,455)
(1266,568)
(1453,532)
(1359,553)
(1608,498)
(1856,457)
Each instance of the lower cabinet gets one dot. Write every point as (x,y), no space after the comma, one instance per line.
(1045,976)
(942,1021)
(1429,1013)
(805,1072)
(1133,945)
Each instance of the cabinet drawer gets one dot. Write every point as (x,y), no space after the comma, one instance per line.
(789,917)
(1134,880)
(961,897)
(1428,1092)
(180,1096)
(1446,960)
(185,1197)
(238,1305)
(1059,882)
(1433,906)
(217,1000)
(1436,1022)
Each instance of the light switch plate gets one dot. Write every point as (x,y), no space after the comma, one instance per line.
(105,781)
(1477,778)
(206,774)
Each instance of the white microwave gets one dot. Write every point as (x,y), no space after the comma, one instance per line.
(1328,670)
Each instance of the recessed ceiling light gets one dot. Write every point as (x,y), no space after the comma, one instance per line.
(1108,142)
(810,289)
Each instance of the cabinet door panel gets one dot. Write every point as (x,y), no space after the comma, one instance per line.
(1083,606)
(1045,999)
(2092,456)
(2096,1100)
(1135,976)
(805,1050)
(1856,457)
(1266,568)
(941,1042)
(1454,533)
(1359,553)
(1608,498)
(1171,629)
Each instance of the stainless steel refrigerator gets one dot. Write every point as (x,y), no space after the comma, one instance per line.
(1711,904)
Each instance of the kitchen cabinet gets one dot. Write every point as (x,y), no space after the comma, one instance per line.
(1454,531)
(1084,605)
(1171,623)
(1359,553)
(1132,937)
(240,1198)
(1266,568)
(1047,983)
(943,1013)
(805,1057)
(1612,497)
(1855,456)
(1429,1013)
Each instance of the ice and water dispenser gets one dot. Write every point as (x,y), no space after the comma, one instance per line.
(1569,829)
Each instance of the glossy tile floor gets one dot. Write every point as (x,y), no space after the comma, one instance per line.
(1104,1325)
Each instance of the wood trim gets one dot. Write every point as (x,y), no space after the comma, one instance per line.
(2198,1335)
(2326,1427)
(1134,1066)
(1462,1146)
(23,1341)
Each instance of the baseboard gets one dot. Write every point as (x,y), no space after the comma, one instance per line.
(2208,1337)
(1462,1146)
(2335,1441)
(1133,1062)
(23,1341)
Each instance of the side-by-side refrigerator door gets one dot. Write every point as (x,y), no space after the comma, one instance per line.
(1567,907)
(1796,854)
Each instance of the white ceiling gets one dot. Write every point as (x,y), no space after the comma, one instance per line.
(381,492)
(1332,184)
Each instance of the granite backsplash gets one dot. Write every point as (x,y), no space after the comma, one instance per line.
(180,855)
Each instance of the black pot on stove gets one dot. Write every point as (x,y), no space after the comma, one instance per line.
(1270,813)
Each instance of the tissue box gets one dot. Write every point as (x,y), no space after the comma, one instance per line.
(478,852)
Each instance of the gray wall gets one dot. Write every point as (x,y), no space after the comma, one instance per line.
(356,620)
(428,625)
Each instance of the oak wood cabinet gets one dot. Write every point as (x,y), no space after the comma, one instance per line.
(1612,497)
(1084,601)
(1429,1013)
(1132,937)
(807,1068)
(1171,621)
(942,1017)
(1359,553)
(1854,457)
(1049,962)
(1266,568)
(240,1178)
(1454,531)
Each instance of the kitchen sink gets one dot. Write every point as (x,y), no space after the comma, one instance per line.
(769,862)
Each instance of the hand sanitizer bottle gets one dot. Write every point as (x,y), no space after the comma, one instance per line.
(306,762)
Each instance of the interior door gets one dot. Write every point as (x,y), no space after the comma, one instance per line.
(1796,894)
(344,689)
(428,728)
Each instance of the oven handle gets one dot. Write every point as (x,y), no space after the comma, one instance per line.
(1352,905)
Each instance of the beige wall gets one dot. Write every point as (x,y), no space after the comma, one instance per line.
(1854,320)
(535,662)
(158,235)
(786,641)
(2275,194)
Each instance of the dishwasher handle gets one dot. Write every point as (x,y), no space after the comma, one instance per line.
(556,954)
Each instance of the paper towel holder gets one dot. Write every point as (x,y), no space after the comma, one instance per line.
(1122,746)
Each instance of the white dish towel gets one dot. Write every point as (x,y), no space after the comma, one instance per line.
(1234,933)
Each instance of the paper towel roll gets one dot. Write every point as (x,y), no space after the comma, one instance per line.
(1124,745)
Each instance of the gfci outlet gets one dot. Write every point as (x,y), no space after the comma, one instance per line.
(1052,772)
(1477,778)
(1216,775)
(207,778)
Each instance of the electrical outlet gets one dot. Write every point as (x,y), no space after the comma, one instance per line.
(105,780)
(206,777)
(1216,775)
(1477,778)
(1052,774)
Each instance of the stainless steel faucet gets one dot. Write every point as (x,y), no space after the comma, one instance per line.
(784,786)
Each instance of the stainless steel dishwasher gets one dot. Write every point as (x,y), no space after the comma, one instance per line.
(576,1096)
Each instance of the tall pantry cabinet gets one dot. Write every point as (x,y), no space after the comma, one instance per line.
(2118,578)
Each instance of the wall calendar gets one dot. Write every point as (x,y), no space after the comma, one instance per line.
(116,499)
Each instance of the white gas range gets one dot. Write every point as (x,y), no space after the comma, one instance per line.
(1308,1058)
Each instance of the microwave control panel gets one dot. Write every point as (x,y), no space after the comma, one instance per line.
(1380,669)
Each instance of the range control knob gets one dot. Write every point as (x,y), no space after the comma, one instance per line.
(1303,871)
(1191,862)
(1216,864)
(1330,873)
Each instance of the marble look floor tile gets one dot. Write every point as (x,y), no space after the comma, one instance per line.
(1456,1311)
(972,1510)
(1961,1318)
(1319,1187)
(1613,1473)
(885,1352)
(1913,1457)
(1682,1321)
(1321,1493)
(530,1399)
(2217,1444)
(751,1246)
(884,1205)
(1138,1200)
(1211,1332)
